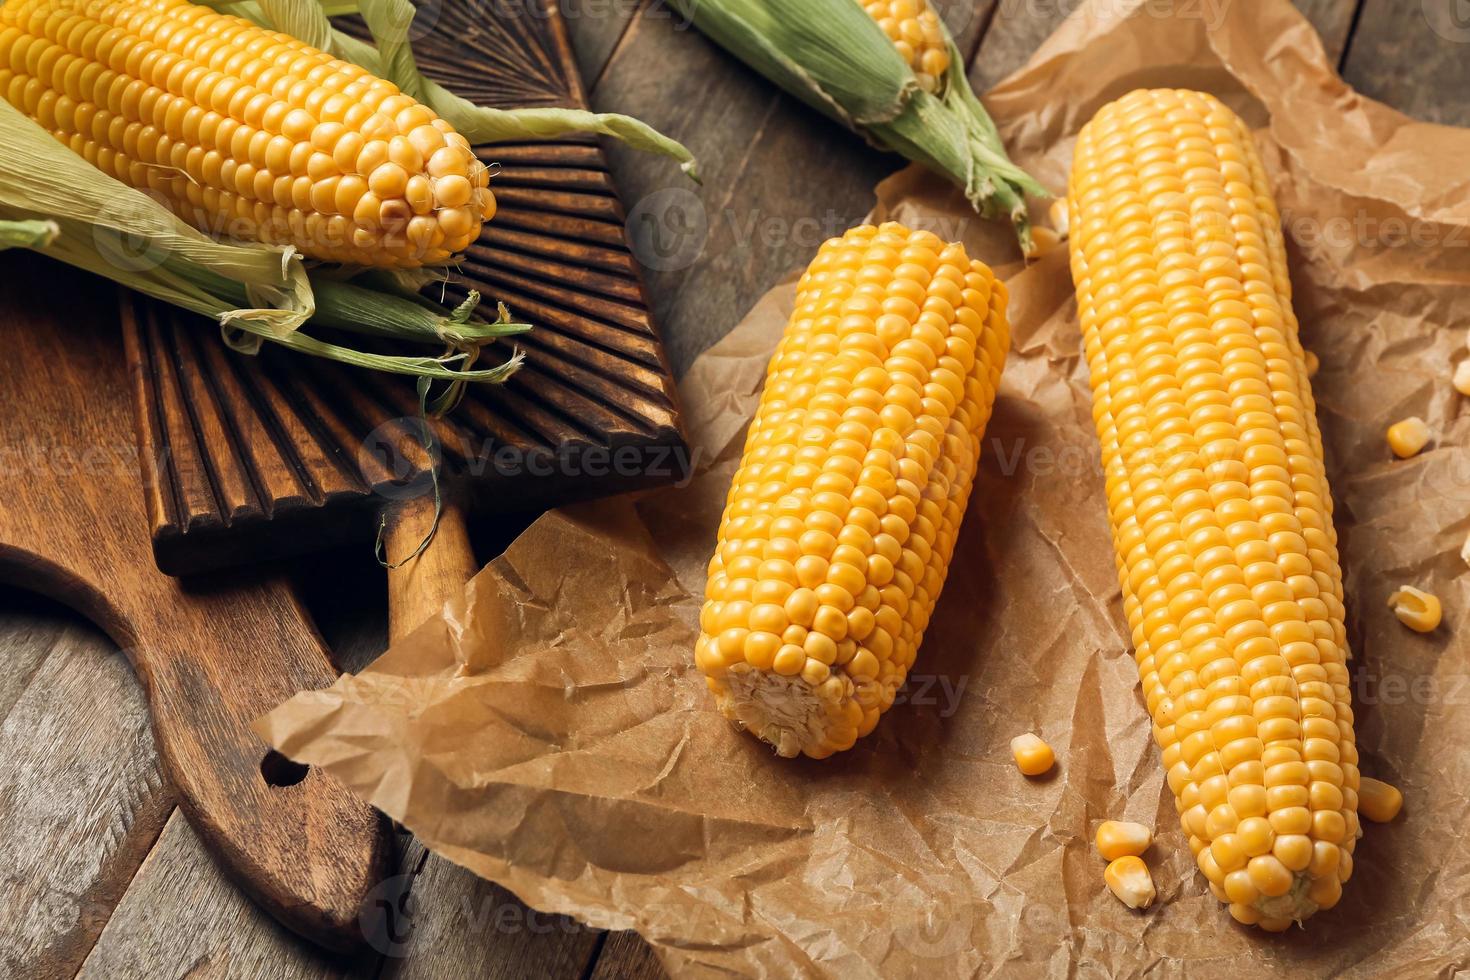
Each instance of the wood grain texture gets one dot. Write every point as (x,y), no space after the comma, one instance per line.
(464,926)
(212,654)
(1414,56)
(260,457)
(625,956)
(82,794)
(210,932)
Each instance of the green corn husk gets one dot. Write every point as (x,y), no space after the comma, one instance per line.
(834,57)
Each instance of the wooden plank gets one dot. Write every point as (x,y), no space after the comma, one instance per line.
(596,26)
(625,956)
(1018,28)
(1415,57)
(182,918)
(82,797)
(464,926)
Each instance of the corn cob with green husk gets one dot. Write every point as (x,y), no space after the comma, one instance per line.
(888,69)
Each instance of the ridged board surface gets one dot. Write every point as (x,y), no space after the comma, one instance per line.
(259,457)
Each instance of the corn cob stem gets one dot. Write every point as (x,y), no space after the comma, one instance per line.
(844,513)
(1218,497)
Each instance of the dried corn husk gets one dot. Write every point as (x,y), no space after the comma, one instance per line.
(833,56)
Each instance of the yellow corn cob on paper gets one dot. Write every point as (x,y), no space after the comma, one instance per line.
(1218,498)
(843,515)
(243,132)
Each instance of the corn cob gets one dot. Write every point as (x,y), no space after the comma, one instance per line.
(916,31)
(1218,497)
(243,132)
(842,517)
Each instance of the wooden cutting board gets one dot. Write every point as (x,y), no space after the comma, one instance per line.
(213,653)
(260,457)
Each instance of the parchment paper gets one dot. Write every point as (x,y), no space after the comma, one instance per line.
(550,731)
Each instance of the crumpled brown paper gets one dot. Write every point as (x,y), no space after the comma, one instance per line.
(551,733)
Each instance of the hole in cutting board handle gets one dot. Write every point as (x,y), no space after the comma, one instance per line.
(277,770)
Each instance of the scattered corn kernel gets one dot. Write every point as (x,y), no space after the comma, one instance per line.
(1378,801)
(1408,437)
(1033,756)
(1120,838)
(1314,364)
(1044,241)
(1128,878)
(1462,377)
(1418,610)
(1059,216)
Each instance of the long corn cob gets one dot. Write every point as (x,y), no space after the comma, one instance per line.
(243,132)
(1218,497)
(841,520)
(916,31)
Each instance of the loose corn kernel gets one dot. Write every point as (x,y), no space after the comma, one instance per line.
(918,35)
(1119,838)
(1314,364)
(1461,379)
(1033,756)
(1217,496)
(1044,241)
(1418,610)
(1058,216)
(1128,879)
(1408,437)
(243,132)
(1378,801)
(844,513)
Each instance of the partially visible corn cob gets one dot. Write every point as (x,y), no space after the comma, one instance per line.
(243,132)
(1218,497)
(841,520)
(917,33)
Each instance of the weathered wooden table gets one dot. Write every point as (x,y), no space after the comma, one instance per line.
(100,876)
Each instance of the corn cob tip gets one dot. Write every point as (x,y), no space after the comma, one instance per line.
(842,517)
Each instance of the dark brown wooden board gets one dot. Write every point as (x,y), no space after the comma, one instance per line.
(213,653)
(267,456)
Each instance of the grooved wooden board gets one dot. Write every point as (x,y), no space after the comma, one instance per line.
(259,457)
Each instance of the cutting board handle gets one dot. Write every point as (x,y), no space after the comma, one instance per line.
(419,587)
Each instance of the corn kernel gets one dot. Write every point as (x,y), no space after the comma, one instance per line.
(1378,801)
(1033,756)
(1118,838)
(917,34)
(1408,437)
(1044,241)
(1128,879)
(1418,610)
(1461,379)
(1313,363)
(1058,216)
